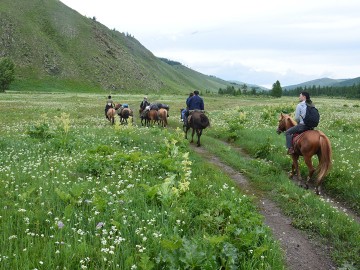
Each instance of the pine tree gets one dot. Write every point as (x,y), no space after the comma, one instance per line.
(276,90)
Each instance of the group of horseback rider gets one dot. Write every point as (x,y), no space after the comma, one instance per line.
(193,102)
(145,107)
(110,104)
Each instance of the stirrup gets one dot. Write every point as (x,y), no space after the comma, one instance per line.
(290,151)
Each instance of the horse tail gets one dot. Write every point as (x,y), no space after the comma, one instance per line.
(165,118)
(325,157)
(126,114)
(204,120)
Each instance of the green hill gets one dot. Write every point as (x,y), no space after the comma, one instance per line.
(57,49)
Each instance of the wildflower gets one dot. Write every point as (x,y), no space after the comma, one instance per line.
(99,225)
(60,224)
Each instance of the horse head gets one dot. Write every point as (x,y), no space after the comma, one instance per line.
(285,122)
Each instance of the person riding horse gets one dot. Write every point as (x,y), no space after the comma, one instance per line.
(193,103)
(144,104)
(300,114)
(109,104)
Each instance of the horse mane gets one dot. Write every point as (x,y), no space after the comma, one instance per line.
(288,117)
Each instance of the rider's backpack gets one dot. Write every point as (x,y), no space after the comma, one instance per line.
(312,117)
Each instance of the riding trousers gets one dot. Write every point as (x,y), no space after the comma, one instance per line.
(300,128)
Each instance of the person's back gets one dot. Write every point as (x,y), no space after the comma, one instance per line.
(300,114)
(144,103)
(109,104)
(195,102)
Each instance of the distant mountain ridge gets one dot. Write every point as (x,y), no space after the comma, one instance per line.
(324,82)
(55,46)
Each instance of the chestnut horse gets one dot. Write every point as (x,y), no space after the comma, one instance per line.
(163,117)
(307,144)
(150,117)
(111,115)
(198,121)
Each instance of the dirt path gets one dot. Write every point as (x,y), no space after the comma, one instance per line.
(301,252)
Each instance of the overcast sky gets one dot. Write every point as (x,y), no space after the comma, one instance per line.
(257,41)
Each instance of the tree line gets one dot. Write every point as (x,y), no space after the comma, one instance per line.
(277,91)
(330,91)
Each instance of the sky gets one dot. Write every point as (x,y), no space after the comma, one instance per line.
(256,42)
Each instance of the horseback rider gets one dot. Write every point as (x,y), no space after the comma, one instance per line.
(143,104)
(194,102)
(109,104)
(300,114)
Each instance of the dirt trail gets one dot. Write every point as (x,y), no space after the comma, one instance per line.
(301,252)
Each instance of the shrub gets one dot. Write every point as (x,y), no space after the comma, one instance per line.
(7,71)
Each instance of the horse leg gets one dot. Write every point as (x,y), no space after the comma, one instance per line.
(295,169)
(318,181)
(192,135)
(311,169)
(198,132)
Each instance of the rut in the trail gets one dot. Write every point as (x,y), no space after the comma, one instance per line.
(301,253)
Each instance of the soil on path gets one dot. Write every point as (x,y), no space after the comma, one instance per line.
(301,252)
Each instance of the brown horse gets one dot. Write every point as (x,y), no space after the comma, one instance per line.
(307,144)
(198,121)
(163,117)
(111,115)
(152,117)
(125,114)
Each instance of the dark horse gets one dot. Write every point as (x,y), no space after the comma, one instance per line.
(125,114)
(198,121)
(307,144)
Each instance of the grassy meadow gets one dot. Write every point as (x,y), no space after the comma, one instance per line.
(78,193)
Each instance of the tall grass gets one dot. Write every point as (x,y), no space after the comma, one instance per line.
(81,194)
(253,128)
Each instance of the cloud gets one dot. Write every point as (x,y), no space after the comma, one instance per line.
(256,41)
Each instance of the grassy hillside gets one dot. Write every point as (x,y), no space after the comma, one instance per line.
(56,48)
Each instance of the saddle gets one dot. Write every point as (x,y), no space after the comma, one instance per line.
(196,110)
(296,137)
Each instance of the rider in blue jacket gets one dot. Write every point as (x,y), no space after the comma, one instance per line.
(195,102)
